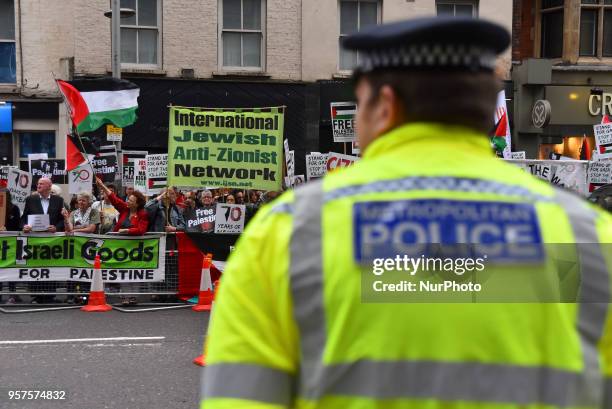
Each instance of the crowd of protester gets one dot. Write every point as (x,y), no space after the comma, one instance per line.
(131,213)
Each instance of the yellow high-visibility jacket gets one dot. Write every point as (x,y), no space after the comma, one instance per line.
(297,324)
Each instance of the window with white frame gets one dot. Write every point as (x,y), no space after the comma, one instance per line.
(354,16)
(140,33)
(8,60)
(457,8)
(242,34)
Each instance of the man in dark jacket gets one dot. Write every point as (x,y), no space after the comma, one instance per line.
(43,202)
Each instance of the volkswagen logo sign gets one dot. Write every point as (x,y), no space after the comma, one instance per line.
(540,116)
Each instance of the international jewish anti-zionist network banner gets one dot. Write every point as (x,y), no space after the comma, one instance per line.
(49,257)
(214,148)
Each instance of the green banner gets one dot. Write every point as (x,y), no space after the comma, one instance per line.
(235,149)
(60,257)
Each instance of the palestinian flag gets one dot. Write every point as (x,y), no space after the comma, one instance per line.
(498,139)
(75,156)
(96,102)
(347,111)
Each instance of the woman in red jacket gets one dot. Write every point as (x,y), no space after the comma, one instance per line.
(133,218)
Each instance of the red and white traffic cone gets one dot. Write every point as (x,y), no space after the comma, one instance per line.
(201,360)
(206,294)
(97,298)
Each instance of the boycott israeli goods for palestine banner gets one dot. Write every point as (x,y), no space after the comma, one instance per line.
(57,257)
(240,148)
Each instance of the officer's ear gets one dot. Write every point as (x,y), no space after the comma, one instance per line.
(390,109)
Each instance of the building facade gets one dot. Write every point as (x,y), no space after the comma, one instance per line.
(210,53)
(562,57)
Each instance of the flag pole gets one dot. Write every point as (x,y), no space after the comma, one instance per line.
(73,129)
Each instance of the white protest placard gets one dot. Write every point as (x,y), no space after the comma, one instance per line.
(355,149)
(338,160)
(600,172)
(127,166)
(157,173)
(343,121)
(289,158)
(518,155)
(603,140)
(229,218)
(140,175)
(38,222)
(80,179)
(541,170)
(316,165)
(298,180)
(571,175)
(19,184)
(291,164)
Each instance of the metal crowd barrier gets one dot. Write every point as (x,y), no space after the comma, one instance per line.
(62,291)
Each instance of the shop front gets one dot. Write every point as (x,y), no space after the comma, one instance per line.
(577,98)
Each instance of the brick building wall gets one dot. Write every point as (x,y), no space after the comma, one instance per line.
(523,29)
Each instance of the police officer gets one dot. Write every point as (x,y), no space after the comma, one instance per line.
(294,326)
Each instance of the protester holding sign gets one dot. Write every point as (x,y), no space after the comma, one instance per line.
(44,203)
(164,214)
(133,218)
(43,208)
(85,219)
(108,213)
(201,218)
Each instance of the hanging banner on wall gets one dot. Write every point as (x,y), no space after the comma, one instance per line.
(343,121)
(57,257)
(237,148)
